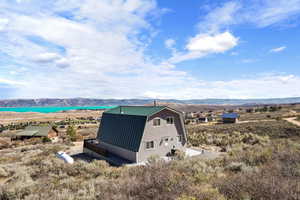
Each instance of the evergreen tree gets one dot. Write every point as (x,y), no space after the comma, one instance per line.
(71,132)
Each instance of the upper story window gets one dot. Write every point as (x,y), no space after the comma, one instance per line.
(170,120)
(179,138)
(150,145)
(156,122)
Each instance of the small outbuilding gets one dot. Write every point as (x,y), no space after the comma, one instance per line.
(230,118)
(136,133)
(38,131)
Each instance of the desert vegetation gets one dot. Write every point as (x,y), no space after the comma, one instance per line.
(249,133)
(261,162)
(260,171)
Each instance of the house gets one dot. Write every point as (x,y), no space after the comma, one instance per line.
(136,133)
(230,117)
(38,131)
(202,119)
(191,115)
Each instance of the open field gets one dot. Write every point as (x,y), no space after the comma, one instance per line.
(254,171)
(260,161)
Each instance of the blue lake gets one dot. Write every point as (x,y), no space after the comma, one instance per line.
(52,109)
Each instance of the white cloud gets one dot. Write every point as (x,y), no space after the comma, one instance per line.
(217,43)
(219,18)
(271,12)
(260,13)
(103,48)
(98,50)
(204,44)
(46,57)
(62,63)
(234,53)
(11,82)
(249,60)
(3,23)
(169,43)
(269,86)
(276,50)
(213,35)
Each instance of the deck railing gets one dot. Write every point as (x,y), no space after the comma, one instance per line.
(94,145)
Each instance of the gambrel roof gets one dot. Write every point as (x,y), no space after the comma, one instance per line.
(124,126)
(136,110)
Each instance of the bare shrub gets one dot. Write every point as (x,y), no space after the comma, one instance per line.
(235,166)
(3,172)
(277,177)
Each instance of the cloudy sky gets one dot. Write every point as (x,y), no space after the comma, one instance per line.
(191,49)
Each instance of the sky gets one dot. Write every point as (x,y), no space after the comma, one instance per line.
(166,49)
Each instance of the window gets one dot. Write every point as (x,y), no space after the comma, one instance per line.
(150,145)
(170,120)
(180,138)
(156,122)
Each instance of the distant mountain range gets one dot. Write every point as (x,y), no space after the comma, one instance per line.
(47,102)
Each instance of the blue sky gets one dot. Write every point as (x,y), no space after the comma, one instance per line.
(149,49)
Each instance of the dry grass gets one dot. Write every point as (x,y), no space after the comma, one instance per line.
(272,129)
(262,163)
(271,172)
(244,173)
(257,172)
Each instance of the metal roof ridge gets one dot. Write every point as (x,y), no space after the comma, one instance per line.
(127,114)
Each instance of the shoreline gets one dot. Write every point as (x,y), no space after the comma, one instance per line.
(53,109)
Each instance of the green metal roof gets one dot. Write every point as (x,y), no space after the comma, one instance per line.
(123,130)
(27,133)
(35,131)
(136,110)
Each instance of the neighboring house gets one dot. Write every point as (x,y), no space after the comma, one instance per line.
(191,115)
(230,117)
(135,133)
(202,119)
(38,131)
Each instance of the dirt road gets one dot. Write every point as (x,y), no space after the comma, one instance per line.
(293,121)
(249,121)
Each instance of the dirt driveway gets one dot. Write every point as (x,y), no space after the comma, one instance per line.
(76,149)
(293,121)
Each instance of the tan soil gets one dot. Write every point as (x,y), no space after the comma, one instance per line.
(293,121)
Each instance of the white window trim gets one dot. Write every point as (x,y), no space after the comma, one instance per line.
(159,122)
(150,148)
(170,117)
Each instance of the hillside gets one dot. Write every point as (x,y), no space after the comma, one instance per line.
(111,102)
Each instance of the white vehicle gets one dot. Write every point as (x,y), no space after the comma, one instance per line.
(65,157)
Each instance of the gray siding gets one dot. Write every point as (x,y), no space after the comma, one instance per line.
(157,134)
(124,153)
